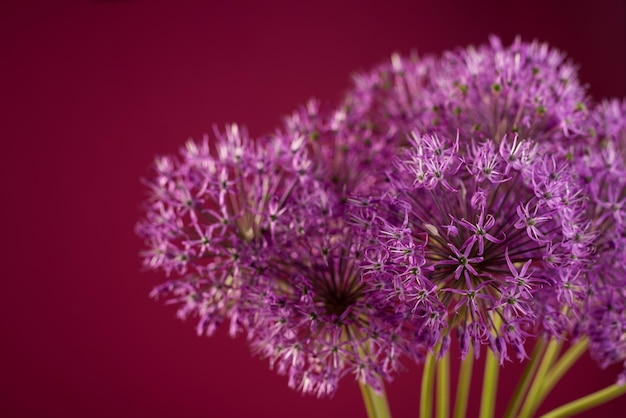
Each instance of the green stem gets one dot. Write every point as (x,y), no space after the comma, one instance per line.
(462,389)
(587,402)
(375,404)
(532,401)
(490,386)
(524,383)
(443,386)
(426,395)
(562,366)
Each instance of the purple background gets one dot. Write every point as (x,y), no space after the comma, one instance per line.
(91,91)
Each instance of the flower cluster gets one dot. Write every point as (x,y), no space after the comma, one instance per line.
(525,88)
(601,164)
(476,197)
(486,238)
(484,92)
(354,151)
(320,320)
(256,236)
(207,217)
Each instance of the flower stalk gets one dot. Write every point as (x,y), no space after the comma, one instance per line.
(562,366)
(534,398)
(443,386)
(490,387)
(583,404)
(376,404)
(526,379)
(426,395)
(463,385)
(490,381)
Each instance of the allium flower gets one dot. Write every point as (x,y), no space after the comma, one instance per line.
(208,215)
(471,197)
(486,91)
(602,168)
(483,237)
(396,95)
(253,236)
(526,88)
(353,152)
(315,319)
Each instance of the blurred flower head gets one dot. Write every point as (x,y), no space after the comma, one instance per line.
(254,232)
(488,91)
(601,165)
(208,215)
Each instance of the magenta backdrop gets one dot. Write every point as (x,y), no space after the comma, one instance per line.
(91,91)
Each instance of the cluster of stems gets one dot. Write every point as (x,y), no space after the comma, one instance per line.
(548,363)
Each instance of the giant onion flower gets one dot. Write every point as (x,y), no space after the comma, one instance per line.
(209,214)
(255,233)
(480,238)
(601,165)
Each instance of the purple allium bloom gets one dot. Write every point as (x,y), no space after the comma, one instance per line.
(488,209)
(486,92)
(476,230)
(525,88)
(353,153)
(315,319)
(209,213)
(471,196)
(395,96)
(601,164)
(255,232)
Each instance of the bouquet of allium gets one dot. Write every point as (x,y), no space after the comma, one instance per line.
(475,199)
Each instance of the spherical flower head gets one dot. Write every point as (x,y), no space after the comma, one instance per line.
(208,213)
(487,91)
(609,121)
(315,319)
(601,165)
(486,238)
(396,95)
(351,152)
(525,88)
